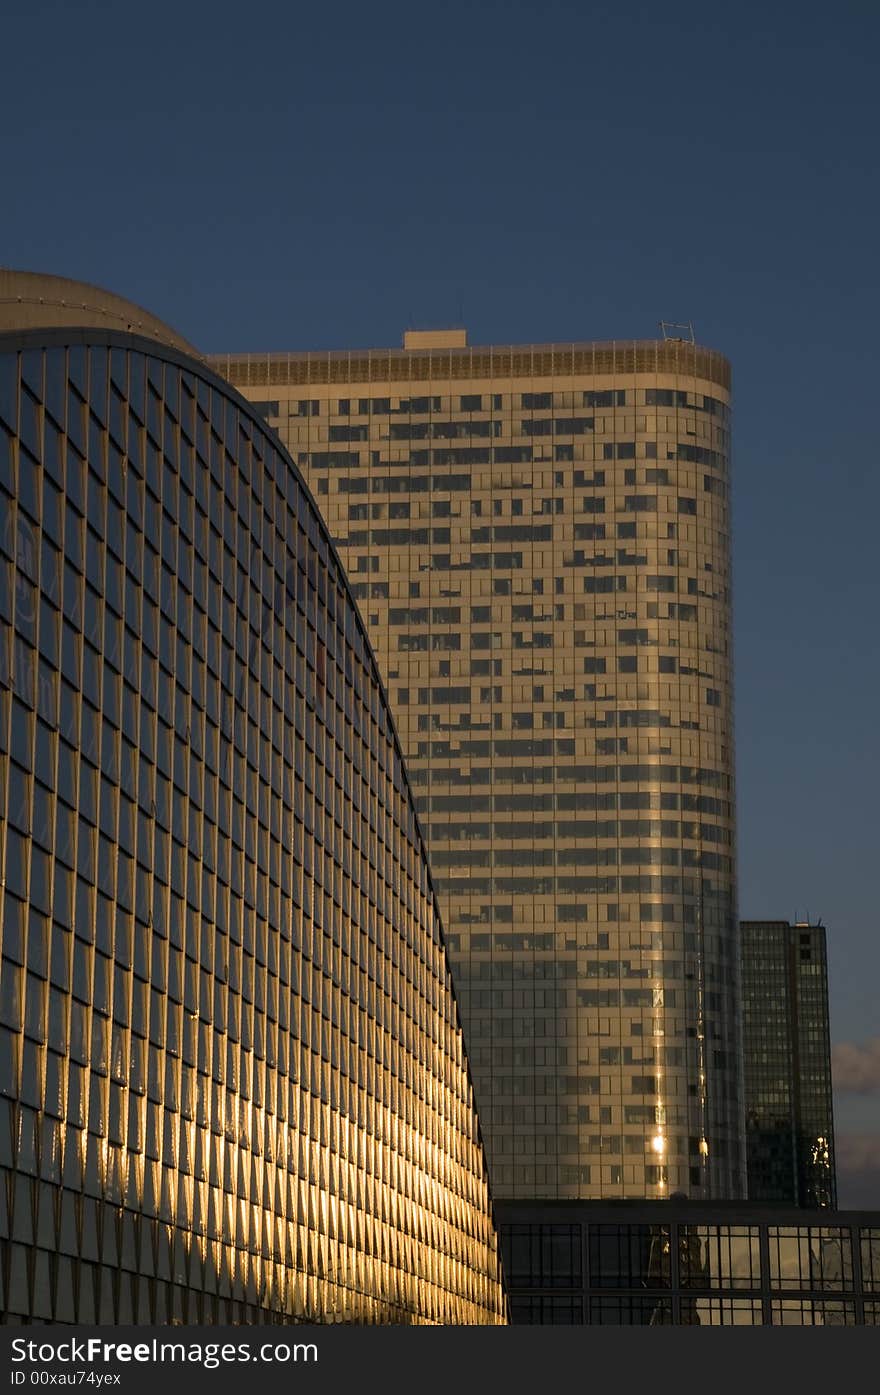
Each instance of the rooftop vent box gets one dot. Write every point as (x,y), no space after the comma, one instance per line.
(435,339)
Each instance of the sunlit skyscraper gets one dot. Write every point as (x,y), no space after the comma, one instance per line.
(538,539)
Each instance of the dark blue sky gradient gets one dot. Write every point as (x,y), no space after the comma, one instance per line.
(271,177)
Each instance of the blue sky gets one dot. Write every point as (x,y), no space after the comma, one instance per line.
(275,177)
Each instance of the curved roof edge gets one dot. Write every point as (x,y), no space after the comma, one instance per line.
(37,300)
(12,341)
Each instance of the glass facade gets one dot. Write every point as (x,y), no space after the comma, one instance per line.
(787,1064)
(538,538)
(689,1264)
(232,1078)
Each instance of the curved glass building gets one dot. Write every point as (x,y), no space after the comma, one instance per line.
(538,535)
(232,1079)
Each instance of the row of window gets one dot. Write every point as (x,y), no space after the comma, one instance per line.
(636,1310)
(581,802)
(474,887)
(484,402)
(533,748)
(691,1256)
(575,828)
(356,462)
(583,856)
(440,776)
(363,483)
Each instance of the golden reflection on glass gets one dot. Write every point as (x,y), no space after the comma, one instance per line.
(538,539)
(255,1066)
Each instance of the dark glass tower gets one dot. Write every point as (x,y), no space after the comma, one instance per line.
(787,1064)
(233,1085)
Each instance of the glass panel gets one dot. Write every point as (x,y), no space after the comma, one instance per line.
(623,1256)
(719,1256)
(805,1312)
(810,1257)
(721,1312)
(870,1251)
(631,1311)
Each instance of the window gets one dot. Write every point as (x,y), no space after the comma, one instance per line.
(810,1257)
(719,1256)
(542,1256)
(630,1256)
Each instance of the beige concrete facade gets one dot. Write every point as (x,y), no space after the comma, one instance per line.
(538,538)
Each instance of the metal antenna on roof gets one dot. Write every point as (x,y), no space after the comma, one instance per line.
(667,326)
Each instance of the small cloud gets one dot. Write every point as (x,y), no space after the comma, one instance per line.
(855,1066)
(858,1152)
(858,1170)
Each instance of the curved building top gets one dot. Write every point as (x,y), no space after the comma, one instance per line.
(34,300)
(446,354)
(256,1042)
